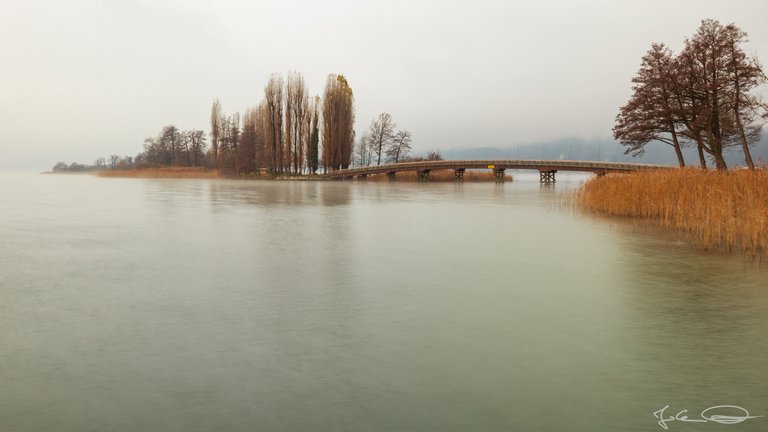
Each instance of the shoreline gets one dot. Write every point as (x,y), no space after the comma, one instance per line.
(211,173)
(165,172)
(717,211)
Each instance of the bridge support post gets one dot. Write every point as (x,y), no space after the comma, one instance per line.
(498,175)
(391,176)
(422,176)
(458,174)
(362,177)
(547,176)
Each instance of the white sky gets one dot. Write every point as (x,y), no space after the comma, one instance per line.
(80,79)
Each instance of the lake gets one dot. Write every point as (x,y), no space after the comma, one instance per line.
(221,305)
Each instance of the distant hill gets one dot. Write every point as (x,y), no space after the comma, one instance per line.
(606,150)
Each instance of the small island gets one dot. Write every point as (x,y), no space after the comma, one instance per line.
(702,98)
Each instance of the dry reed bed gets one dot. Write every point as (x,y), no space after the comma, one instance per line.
(165,172)
(720,210)
(441,176)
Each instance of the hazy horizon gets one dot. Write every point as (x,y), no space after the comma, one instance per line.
(88,79)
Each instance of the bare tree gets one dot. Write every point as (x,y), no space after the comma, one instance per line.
(289,119)
(273,98)
(249,150)
(165,149)
(650,113)
(745,74)
(169,141)
(296,115)
(233,140)
(338,123)
(708,87)
(215,130)
(381,131)
(690,104)
(363,150)
(196,140)
(434,155)
(313,158)
(702,96)
(185,147)
(400,147)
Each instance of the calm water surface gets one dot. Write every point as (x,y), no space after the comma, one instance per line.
(212,305)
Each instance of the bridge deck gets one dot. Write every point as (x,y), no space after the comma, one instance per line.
(540,165)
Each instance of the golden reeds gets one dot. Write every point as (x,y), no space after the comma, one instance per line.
(720,210)
(164,172)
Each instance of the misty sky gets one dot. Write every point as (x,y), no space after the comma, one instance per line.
(82,79)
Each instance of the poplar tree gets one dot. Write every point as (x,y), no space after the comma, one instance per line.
(338,123)
(273,98)
(215,130)
(296,115)
(313,156)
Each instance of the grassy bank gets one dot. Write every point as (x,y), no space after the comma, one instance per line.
(164,172)
(725,211)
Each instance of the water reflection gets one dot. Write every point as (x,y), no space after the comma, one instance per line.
(171,192)
(548,188)
(264,193)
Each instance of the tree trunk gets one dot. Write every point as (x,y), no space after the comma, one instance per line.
(736,109)
(745,146)
(702,159)
(742,135)
(679,154)
(676,145)
(720,162)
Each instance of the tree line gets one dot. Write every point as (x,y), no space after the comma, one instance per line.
(702,97)
(288,132)
(100,164)
(282,134)
(174,147)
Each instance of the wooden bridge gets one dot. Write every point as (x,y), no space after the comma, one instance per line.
(546,168)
